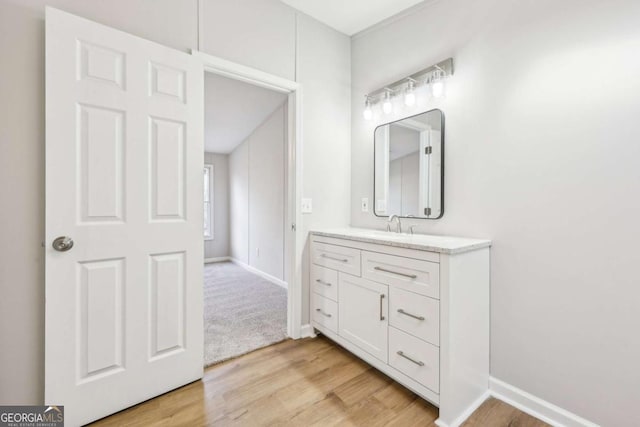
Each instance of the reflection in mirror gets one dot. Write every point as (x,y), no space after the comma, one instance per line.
(409,159)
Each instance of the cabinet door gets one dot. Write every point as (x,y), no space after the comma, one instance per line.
(363,314)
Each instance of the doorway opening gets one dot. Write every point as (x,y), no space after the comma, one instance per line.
(249,212)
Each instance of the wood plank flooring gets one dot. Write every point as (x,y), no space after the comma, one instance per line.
(310,382)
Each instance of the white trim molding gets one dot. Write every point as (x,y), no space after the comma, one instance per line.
(294,238)
(536,407)
(306,331)
(467,412)
(217,259)
(260,273)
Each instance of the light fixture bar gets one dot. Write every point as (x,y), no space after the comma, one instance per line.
(445,66)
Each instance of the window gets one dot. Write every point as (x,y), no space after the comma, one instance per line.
(208,202)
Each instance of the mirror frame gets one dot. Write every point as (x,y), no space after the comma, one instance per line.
(441,162)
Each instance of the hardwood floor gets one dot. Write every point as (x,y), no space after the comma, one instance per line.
(311,382)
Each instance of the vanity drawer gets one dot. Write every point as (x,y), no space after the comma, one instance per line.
(421,277)
(336,257)
(415,314)
(324,282)
(415,358)
(325,312)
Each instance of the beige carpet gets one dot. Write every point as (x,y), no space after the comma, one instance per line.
(242,312)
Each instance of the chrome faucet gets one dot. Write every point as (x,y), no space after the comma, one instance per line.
(398,226)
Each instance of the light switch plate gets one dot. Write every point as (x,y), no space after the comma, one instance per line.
(307,206)
(365,204)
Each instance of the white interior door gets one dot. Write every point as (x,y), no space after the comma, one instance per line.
(124,158)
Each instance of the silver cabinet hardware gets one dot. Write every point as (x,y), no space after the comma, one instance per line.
(381,298)
(401,311)
(322,282)
(410,276)
(417,362)
(319,310)
(62,243)
(334,259)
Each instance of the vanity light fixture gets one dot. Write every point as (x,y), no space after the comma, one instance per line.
(387,107)
(433,77)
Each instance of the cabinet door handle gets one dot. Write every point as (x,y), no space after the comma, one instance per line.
(417,362)
(322,312)
(322,282)
(381,299)
(410,276)
(334,259)
(401,311)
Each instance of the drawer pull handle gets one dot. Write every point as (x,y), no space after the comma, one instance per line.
(417,362)
(410,276)
(334,259)
(322,282)
(322,312)
(381,298)
(401,311)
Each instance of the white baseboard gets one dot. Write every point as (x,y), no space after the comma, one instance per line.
(218,259)
(534,406)
(262,274)
(467,412)
(306,331)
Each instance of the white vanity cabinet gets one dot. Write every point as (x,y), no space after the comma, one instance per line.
(415,307)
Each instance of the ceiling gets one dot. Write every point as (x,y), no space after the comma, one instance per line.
(233,110)
(351,16)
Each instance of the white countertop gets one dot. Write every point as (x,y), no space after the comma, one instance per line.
(423,242)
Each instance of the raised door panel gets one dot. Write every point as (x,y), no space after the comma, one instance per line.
(167,170)
(362,313)
(100,318)
(166,303)
(101,170)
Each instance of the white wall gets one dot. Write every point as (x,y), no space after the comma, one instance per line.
(267,194)
(257,180)
(259,33)
(323,68)
(542,157)
(219,245)
(239,203)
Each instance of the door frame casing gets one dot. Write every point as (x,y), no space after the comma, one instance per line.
(294,240)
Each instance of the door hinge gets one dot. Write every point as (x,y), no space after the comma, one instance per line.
(427,211)
(293,227)
(428,150)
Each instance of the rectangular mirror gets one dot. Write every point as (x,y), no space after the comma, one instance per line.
(409,167)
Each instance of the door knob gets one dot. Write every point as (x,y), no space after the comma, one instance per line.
(62,243)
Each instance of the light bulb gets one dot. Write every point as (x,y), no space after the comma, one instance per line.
(367,113)
(409,99)
(409,95)
(437,84)
(437,89)
(386,105)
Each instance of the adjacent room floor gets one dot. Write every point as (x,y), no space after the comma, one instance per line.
(301,383)
(242,312)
